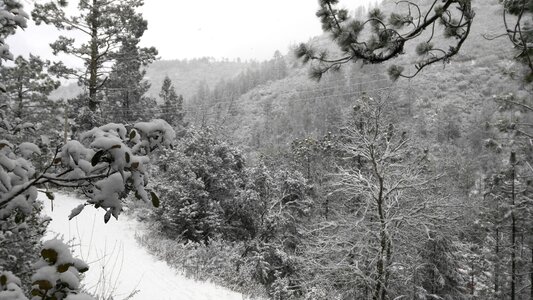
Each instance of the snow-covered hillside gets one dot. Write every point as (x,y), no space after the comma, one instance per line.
(118,266)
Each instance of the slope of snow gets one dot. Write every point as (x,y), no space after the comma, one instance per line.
(118,265)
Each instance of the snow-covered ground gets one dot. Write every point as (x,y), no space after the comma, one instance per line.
(118,265)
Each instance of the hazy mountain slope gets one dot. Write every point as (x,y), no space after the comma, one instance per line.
(186,75)
(296,107)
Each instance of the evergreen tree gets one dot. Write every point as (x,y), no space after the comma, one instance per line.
(279,200)
(279,66)
(200,179)
(28,85)
(106,24)
(507,212)
(449,124)
(172,107)
(507,208)
(125,101)
(19,248)
(13,17)
(438,274)
(27,114)
(202,100)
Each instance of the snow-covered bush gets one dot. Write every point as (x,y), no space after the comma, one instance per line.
(20,243)
(10,287)
(57,273)
(200,180)
(106,164)
(214,201)
(56,276)
(12,16)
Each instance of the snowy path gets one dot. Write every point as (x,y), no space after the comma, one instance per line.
(118,265)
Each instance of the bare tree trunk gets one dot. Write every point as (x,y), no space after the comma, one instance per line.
(20,99)
(93,64)
(472,277)
(387,262)
(497,264)
(513,231)
(381,268)
(531,276)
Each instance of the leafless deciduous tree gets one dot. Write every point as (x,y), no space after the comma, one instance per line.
(386,209)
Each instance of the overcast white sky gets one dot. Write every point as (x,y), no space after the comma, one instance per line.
(249,29)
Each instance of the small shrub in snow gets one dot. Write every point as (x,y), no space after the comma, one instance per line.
(57,273)
(56,276)
(10,287)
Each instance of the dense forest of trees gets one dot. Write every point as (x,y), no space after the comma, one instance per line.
(353,187)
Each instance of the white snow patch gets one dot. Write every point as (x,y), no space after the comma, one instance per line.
(117,264)
(27,149)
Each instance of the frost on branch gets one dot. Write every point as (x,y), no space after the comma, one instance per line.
(106,163)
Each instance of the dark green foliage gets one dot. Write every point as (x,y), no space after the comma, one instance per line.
(19,245)
(155,200)
(506,216)
(283,201)
(424,48)
(515,7)
(398,20)
(13,17)
(172,106)
(200,179)
(395,71)
(439,270)
(107,25)
(304,52)
(26,112)
(208,193)
(28,84)
(82,117)
(126,88)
